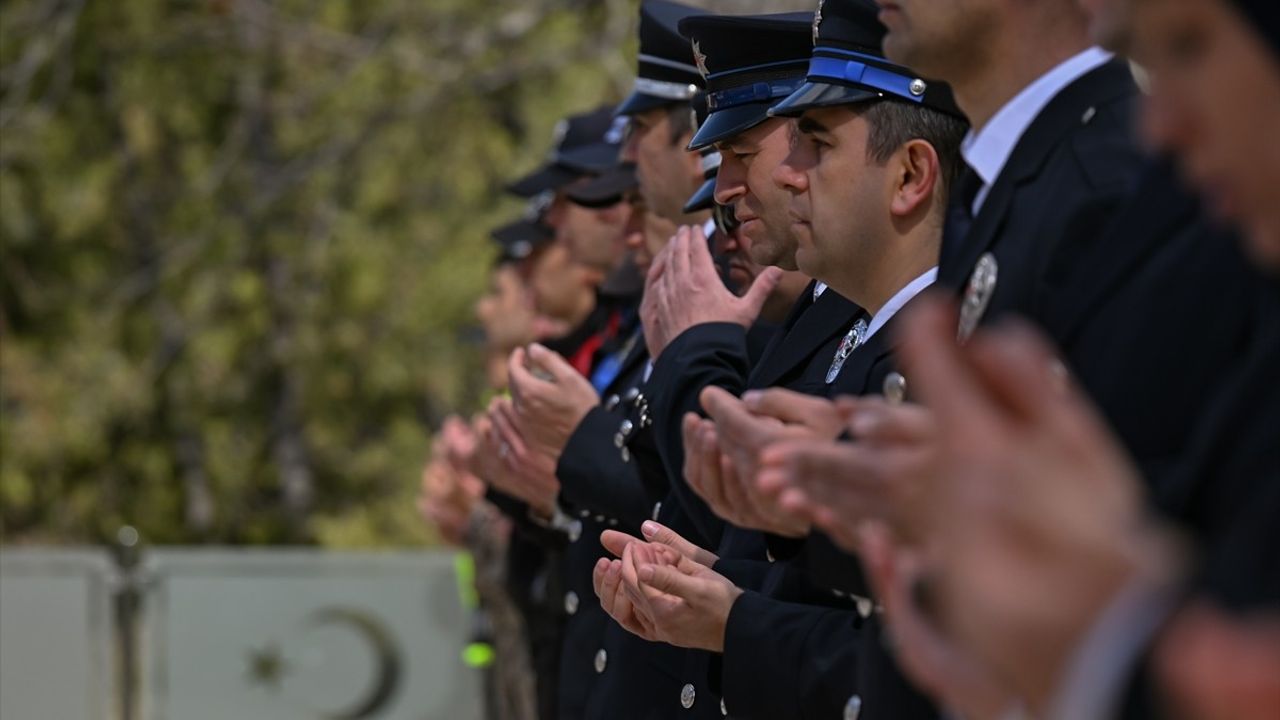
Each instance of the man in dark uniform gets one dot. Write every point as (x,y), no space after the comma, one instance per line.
(890,276)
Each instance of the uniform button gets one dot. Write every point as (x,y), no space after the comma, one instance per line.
(575,531)
(895,388)
(853,708)
(632,394)
(612,402)
(1088,115)
(626,427)
(865,606)
(602,659)
(571,602)
(599,518)
(583,513)
(768,555)
(613,522)
(687,696)
(626,455)
(657,508)
(723,710)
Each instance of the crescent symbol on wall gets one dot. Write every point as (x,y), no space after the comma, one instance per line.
(388,665)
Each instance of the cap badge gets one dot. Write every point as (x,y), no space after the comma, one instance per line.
(617,130)
(977,296)
(917,87)
(700,60)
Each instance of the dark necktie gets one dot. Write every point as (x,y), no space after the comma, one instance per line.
(959,214)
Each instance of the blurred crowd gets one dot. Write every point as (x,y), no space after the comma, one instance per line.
(899,359)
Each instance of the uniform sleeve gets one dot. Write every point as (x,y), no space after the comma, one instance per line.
(704,355)
(595,478)
(791,660)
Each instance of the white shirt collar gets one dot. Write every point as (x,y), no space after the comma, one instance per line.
(901,298)
(818,288)
(988,148)
(709,227)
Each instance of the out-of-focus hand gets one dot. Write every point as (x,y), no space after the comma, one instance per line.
(713,476)
(954,679)
(1031,521)
(521,471)
(549,397)
(1215,666)
(838,485)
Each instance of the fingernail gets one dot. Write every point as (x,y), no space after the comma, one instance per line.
(649,528)
(751,398)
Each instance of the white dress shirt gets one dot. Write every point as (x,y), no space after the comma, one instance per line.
(899,299)
(988,148)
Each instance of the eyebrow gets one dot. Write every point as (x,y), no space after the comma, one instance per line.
(808,126)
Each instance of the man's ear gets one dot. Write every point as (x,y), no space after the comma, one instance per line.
(917,176)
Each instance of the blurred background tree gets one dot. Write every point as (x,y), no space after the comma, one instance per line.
(239,245)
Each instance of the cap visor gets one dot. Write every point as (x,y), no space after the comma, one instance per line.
(819,94)
(703,199)
(521,235)
(606,189)
(637,103)
(594,159)
(724,124)
(547,177)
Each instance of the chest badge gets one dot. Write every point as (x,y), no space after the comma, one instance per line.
(977,296)
(852,341)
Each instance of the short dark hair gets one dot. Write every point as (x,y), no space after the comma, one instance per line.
(894,124)
(682,121)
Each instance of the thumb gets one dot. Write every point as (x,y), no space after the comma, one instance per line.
(759,292)
(615,542)
(552,362)
(663,535)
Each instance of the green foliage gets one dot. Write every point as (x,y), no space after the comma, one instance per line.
(240,240)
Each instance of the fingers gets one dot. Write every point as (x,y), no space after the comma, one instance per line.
(658,533)
(616,542)
(1014,363)
(786,405)
(761,288)
(552,362)
(879,423)
(934,362)
(672,580)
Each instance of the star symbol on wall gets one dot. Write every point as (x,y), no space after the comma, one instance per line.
(267,666)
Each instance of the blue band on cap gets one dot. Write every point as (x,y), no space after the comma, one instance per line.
(861,73)
(756,92)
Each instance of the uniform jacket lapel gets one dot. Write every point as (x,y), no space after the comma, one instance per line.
(1066,111)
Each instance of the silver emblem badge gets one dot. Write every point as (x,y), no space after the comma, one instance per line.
(895,388)
(852,341)
(977,296)
(817,20)
(917,87)
(700,60)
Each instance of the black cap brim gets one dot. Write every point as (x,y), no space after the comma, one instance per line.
(590,159)
(820,94)
(730,122)
(605,190)
(703,199)
(517,239)
(548,177)
(638,102)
